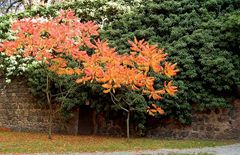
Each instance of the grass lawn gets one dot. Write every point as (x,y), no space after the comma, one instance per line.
(22,142)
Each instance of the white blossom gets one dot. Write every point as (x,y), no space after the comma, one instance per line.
(8,80)
(16,65)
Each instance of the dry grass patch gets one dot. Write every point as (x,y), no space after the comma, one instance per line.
(22,142)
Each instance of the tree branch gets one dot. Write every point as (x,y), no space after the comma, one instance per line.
(112,97)
(11,5)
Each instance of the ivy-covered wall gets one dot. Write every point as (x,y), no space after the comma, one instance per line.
(201,36)
(19,112)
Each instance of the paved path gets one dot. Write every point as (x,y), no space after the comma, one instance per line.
(220,150)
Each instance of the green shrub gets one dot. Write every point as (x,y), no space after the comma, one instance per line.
(203,37)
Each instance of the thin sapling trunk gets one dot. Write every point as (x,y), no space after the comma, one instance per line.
(50,109)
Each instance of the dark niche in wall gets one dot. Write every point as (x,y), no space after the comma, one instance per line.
(85,121)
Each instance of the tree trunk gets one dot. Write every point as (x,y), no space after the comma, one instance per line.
(128,119)
(50,122)
(50,110)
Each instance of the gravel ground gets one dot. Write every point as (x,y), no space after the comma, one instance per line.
(220,150)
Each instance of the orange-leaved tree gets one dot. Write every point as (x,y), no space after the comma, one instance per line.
(56,41)
(50,42)
(131,71)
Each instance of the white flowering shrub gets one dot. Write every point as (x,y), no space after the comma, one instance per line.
(120,5)
(15,65)
(102,11)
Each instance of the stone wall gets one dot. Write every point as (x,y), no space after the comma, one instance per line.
(19,111)
(210,124)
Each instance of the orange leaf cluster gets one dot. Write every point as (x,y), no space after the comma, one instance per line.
(113,70)
(155,109)
(56,40)
(47,39)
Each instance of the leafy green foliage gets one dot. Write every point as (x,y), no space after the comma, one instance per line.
(203,39)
